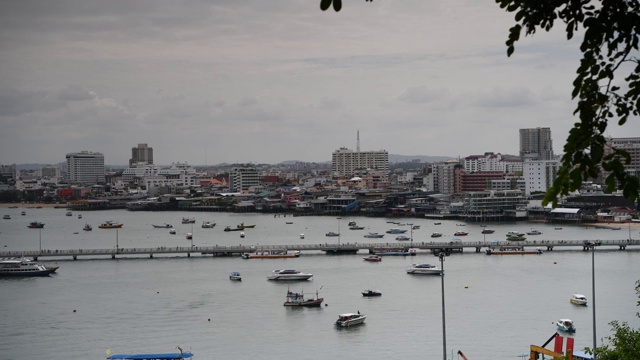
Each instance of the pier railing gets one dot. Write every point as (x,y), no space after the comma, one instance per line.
(434,246)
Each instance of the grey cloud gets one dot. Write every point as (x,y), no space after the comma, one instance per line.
(421,94)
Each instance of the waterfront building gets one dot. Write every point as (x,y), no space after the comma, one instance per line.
(346,162)
(509,203)
(536,144)
(478,181)
(134,174)
(85,167)
(141,155)
(539,175)
(508,183)
(444,176)
(243,178)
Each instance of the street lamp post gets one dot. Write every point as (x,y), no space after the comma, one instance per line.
(593,293)
(411,227)
(441,255)
(40,241)
(116,241)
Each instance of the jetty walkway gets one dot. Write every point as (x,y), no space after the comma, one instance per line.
(348,248)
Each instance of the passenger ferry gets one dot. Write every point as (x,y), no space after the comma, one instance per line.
(24,267)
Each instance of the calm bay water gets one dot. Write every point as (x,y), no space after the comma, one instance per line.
(496,306)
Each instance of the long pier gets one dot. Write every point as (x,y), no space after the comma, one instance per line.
(352,248)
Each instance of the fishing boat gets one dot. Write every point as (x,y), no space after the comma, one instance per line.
(566,325)
(69,213)
(436,234)
(242,226)
(271,254)
(24,267)
(461,233)
(534,232)
(578,299)
(35,225)
(298,299)
(371,293)
(7,217)
(235,276)
(415,227)
(488,231)
(515,233)
(350,319)
(402,238)
(332,234)
(372,258)
(110,225)
(437,223)
(87,227)
(186,220)
(166,356)
(164,226)
(356,227)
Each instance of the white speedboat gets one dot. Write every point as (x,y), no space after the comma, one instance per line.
(534,232)
(424,269)
(350,319)
(396,231)
(24,267)
(235,276)
(288,275)
(402,238)
(578,299)
(172,231)
(565,325)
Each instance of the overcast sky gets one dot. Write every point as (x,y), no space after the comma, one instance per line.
(208,81)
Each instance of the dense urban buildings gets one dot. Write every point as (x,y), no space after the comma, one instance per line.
(243,178)
(85,167)
(536,144)
(630,145)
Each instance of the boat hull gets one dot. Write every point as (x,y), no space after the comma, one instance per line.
(48,271)
(306,303)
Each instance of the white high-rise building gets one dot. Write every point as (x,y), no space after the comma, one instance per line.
(346,162)
(85,167)
(536,144)
(243,178)
(539,175)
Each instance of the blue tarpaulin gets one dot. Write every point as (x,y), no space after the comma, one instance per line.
(152,356)
(351,206)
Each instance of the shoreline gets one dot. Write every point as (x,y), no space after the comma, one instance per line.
(31,205)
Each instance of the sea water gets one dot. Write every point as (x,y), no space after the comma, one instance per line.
(495,306)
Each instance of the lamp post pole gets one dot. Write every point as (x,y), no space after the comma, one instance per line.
(593,294)
(444,328)
(40,241)
(411,227)
(116,241)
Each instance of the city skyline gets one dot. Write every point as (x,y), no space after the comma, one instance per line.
(253,82)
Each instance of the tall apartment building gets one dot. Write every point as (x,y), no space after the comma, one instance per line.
(48,172)
(539,175)
(346,162)
(444,176)
(536,144)
(85,167)
(8,172)
(630,145)
(243,178)
(142,154)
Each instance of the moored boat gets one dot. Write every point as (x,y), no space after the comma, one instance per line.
(166,356)
(35,225)
(228,228)
(356,227)
(372,258)
(512,250)
(402,238)
(7,217)
(371,293)
(186,220)
(235,276)
(208,224)
(578,299)
(271,254)
(69,213)
(332,234)
(534,232)
(424,269)
(87,227)
(461,233)
(373,235)
(488,231)
(24,267)
(110,225)
(298,299)
(566,325)
(172,231)
(242,226)
(516,238)
(350,319)
(436,234)
(189,236)
(164,226)
(288,275)
(396,231)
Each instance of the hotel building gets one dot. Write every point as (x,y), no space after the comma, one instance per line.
(536,144)
(85,167)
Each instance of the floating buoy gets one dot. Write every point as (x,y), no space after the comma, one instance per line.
(208,319)
(74,310)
